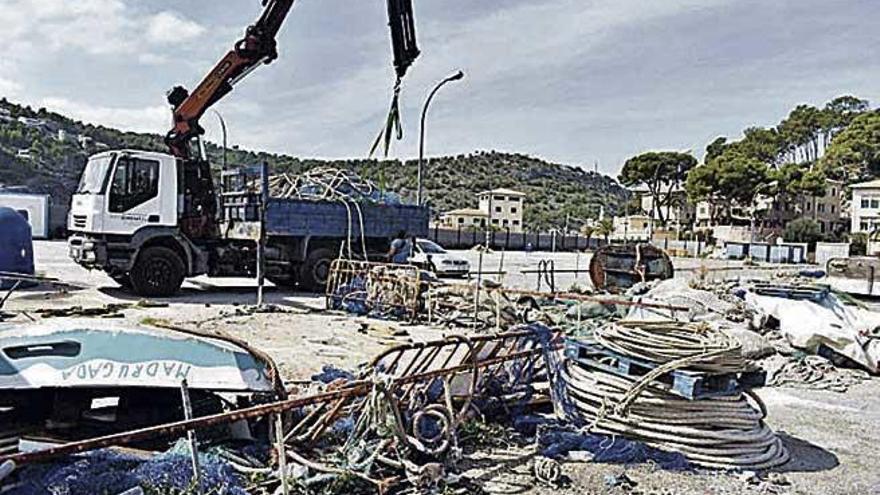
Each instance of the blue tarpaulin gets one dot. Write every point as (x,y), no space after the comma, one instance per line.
(16,245)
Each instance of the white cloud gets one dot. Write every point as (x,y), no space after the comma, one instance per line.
(518,49)
(154,119)
(94,27)
(9,88)
(168,28)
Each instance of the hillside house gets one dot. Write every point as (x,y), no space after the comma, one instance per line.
(463,218)
(504,208)
(865,217)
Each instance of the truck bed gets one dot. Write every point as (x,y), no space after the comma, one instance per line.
(305,218)
(292,217)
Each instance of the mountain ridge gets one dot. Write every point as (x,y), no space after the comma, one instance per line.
(44,152)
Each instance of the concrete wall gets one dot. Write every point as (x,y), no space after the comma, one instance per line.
(829,250)
(511,241)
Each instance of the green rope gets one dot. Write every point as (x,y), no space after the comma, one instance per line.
(392,123)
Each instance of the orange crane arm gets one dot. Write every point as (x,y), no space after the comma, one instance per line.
(256,48)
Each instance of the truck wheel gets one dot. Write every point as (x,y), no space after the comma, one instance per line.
(316,270)
(158,271)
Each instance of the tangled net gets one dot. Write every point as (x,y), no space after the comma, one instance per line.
(329,184)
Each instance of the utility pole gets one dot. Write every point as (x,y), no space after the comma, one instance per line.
(455,77)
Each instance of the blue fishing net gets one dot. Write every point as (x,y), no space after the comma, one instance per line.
(111,472)
(351,297)
(330,374)
(556,443)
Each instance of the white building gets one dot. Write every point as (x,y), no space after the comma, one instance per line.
(865,214)
(504,208)
(29,122)
(464,217)
(632,228)
(678,212)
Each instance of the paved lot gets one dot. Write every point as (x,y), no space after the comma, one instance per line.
(833,437)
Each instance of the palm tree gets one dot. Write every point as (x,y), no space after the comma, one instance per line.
(605,228)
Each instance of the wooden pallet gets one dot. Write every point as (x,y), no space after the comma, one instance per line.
(684,383)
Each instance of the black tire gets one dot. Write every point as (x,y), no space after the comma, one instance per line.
(158,272)
(316,270)
(124,281)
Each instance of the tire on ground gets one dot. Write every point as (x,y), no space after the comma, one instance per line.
(158,272)
(316,269)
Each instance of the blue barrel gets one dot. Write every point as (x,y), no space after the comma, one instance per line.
(16,245)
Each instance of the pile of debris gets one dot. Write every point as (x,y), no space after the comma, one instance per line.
(808,335)
(395,422)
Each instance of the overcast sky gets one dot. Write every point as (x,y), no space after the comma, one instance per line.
(572,81)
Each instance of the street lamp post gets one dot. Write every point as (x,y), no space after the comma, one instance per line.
(223,127)
(455,77)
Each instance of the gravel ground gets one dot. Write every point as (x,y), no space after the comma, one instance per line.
(833,437)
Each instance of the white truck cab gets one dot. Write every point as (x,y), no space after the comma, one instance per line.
(121,192)
(125,218)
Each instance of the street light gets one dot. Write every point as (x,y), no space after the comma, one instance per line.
(223,127)
(455,77)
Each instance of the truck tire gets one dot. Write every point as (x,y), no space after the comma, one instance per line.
(316,270)
(158,272)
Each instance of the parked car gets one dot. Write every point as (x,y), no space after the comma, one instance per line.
(430,255)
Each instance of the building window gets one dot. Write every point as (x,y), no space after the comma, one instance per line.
(821,208)
(863,226)
(865,203)
(809,206)
(494,221)
(497,209)
(500,198)
(476,221)
(513,211)
(516,223)
(460,220)
(833,191)
(833,208)
(505,223)
(822,227)
(875,203)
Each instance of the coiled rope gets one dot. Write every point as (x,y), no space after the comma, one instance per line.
(719,432)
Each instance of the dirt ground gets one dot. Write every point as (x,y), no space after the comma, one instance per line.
(832,437)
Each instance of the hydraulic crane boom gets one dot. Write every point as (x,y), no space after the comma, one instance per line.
(258,47)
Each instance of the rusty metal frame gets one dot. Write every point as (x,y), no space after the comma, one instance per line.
(386,286)
(513,355)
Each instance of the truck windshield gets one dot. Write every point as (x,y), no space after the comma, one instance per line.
(94,176)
